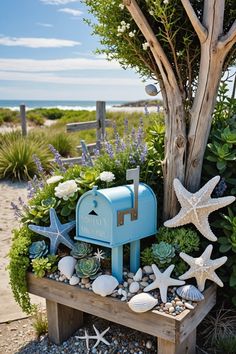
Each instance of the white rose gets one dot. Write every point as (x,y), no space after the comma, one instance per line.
(54,179)
(107,176)
(66,189)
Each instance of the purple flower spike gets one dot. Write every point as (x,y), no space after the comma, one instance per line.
(57,158)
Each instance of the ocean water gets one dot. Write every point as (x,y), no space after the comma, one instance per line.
(66,105)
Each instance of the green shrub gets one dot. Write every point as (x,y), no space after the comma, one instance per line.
(9,116)
(63,143)
(40,323)
(50,113)
(35,118)
(16,158)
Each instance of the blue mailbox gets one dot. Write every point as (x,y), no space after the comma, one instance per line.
(115,216)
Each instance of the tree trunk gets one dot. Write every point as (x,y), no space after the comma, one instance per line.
(175,151)
(212,59)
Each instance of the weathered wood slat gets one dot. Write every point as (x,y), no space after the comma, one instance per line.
(72,127)
(89,146)
(72,160)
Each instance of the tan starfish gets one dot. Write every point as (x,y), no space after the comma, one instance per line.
(203,268)
(196,207)
(163,281)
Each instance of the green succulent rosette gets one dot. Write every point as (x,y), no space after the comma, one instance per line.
(81,250)
(38,249)
(163,252)
(87,267)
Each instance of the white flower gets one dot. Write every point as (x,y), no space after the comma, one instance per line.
(145,45)
(54,179)
(123,23)
(151,13)
(131,34)
(121,6)
(107,176)
(166,2)
(66,189)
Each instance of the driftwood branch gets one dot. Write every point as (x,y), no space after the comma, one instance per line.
(198,27)
(162,61)
(227,41)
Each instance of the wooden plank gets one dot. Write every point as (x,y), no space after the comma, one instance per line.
(23,120)
(105,307)
(191,320)
(72,160)
(101,118)
(188,346)
(63,321)
(90,147)
(73,127)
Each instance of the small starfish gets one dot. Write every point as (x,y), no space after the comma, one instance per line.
(99,337)
(203,268)
(99,255)
(163,281)
(196,207)
(56,232)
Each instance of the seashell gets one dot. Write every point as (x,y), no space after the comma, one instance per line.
(142,303)
(104,285)
(66,265)
(151,90)
(74,280)
(138,276)
(189,306)
(148,270)
(134,287)
(190,292)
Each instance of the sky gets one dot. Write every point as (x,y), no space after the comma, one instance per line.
(47,53)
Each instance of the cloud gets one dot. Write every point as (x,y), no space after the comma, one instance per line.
(37,42)
(58,2)
(68,80)
(72,12)
(44,24)
(50,65)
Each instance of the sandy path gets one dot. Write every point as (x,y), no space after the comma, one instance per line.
(9,192)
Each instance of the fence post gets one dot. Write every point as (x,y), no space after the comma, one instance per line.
(100,117)
(23,120)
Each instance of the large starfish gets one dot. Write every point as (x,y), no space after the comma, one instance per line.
(196,207)
(56,232)
(203,268)
(99,337)
(162,281)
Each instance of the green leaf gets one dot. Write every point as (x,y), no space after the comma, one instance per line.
(232,281)
(225,248)
(65,211)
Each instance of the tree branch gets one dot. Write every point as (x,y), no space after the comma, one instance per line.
(162,61)
(198,27)
(227,41)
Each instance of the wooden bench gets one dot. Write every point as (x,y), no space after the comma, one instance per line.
(66,304)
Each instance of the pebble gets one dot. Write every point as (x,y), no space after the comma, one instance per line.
(168,305)
(144,283)
(134,287)
(148,270)
(130,275)
(152,277)
(171,309)
(179,303)
(125,284)
(87,286)
(189,306)
(85,281)
(148,344)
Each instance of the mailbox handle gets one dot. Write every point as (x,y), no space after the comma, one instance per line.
(132,174)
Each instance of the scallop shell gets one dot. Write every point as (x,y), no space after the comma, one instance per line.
(66,265)
(134,287)
(138,276)
(142,303)
(104,285)
(190,292)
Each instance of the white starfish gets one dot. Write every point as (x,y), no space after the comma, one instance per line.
(203,268)
(196,207)
(99,337)
(99,255)
(163,281)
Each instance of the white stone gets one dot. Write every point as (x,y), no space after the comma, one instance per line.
(189,306)
(74,280)
(134,287)
(104,285)
(66,266)
(138,276)
(148,269)
(148,344)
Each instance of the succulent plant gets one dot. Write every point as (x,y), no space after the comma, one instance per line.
(41,266)
(87,267)
(38,249)
(81,250)
(163,252)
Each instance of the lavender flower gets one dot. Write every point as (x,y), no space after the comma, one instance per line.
(57,158)
(17,211)
(126,128)
(144,152)
(38,164)
(109,149)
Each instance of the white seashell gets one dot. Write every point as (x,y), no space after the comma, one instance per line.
(148,270)
(189,306)
(142,303)
(138,276)
(66,265)
(104,285)
(190,292)
(151,90)
(74,280)
(134,287)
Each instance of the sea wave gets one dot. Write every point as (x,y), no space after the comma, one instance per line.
(63,108)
